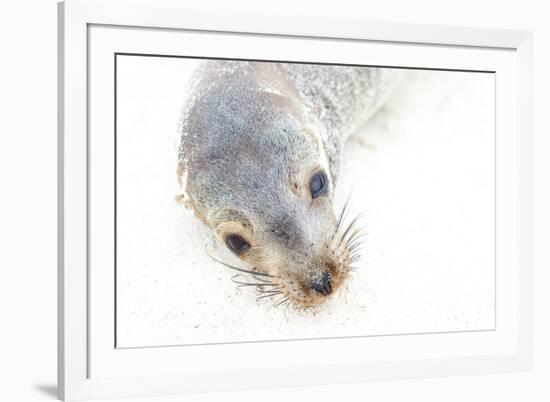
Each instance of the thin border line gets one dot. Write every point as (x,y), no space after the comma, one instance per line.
(115,196)
(300,62)
(307,339)
(287,62)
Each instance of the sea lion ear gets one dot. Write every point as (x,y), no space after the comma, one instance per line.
(183,196)
(181,191)
(180,199)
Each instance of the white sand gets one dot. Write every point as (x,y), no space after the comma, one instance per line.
(422,168)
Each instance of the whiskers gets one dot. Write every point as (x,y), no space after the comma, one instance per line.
(265,290)
(350,237)
(342,252)
(243,270)
(262,282)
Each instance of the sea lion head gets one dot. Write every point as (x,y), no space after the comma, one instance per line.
(256,171)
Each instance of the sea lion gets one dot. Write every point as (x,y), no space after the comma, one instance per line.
(260,145)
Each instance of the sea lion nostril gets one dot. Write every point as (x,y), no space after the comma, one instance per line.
(322,284)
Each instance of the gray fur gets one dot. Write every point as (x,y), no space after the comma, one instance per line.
(251,136)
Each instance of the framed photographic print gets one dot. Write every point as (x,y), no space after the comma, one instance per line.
(261,201)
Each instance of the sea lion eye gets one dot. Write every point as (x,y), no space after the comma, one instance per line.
(318,184)
(236,243)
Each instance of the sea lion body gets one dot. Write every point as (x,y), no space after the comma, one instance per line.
(260,146)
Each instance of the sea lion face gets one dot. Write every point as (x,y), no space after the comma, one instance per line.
(257,174)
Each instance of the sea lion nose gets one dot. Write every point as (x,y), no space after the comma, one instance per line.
(322,284)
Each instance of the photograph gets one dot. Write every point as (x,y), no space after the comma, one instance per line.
(279,200)
(261,200)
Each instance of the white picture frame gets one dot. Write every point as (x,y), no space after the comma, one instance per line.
(89,365)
